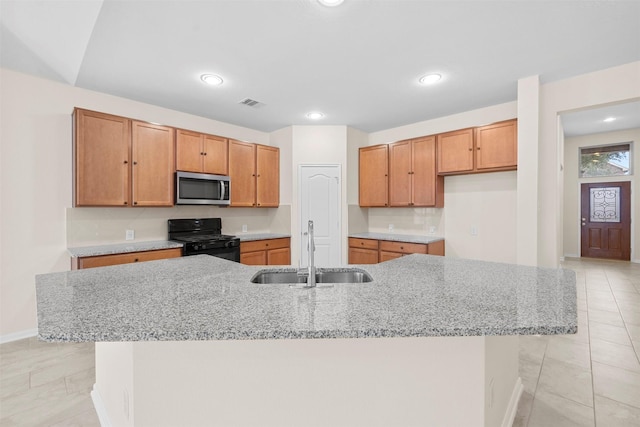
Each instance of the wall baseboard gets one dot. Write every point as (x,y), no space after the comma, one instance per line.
(636,261)
(18,335)
(101,410)
(512,409)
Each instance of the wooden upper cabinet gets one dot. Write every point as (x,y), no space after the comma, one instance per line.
(242,171)
(400,170)
(267,176)
(412,174)
(122,162)
(483,149)
(153,160)
(497,146)
(428,187)
(102,159)
(455,151)
(216,155)
(373,176)
(196,152)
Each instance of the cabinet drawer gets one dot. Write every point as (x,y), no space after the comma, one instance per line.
(261,245)
(402,247)
(363,243)
(127,258)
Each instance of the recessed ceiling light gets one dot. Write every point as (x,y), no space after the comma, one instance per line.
(330,3)
(211,79)
(430,79)
(315,115)
(609,119)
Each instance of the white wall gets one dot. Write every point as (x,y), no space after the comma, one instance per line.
(612,85)
(36,168)
(571,218)
(491,209)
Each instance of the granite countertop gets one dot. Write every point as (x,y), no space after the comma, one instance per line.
(121,248)
(248,237)
(207,298)
(406,238)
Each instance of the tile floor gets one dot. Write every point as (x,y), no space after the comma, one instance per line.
(588,379)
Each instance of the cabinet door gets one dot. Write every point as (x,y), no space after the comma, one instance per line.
(280,256)
(216,155)
(188,151)
(254,258)
(436,248)
(267,176)
(497,146)
(455,151)
(102,159)
(363,256)
(242,173)
(153,164)
(400,165)
(387,256)
(426,185)
(373,176)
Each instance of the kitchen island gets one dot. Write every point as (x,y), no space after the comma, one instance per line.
(190,341)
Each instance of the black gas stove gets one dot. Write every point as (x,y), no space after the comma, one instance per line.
(202,236)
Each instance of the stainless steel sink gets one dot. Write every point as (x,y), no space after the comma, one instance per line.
(323,275)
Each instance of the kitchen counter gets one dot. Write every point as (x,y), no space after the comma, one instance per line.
(438,333)
(207,298)
(394,237)
(121,248)
(261,236)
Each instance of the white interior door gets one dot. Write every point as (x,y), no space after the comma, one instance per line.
(320,202)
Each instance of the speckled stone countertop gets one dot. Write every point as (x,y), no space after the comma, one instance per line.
(121,248)
(260,236)
(406,238)
(207,298)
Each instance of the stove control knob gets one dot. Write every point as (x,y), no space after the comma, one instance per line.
(196,247)
(203,246)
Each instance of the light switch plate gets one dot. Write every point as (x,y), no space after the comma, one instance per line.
(390,227)
(244,228)
(129,235)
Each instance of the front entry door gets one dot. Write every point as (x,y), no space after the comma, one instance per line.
(320,202)
(606,220)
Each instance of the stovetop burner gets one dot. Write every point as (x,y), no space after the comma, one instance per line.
(203,236)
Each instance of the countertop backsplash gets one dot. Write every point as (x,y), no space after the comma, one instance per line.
(99,226)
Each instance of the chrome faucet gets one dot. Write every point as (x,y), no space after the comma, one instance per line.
(311,248)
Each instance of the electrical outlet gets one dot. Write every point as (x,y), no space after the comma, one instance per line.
(432,229)
(474,230)
(244,228)
(390,227)
(129,235)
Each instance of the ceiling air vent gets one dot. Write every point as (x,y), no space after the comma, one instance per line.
(251,103)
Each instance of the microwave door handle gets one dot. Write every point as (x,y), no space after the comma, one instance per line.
(221,189)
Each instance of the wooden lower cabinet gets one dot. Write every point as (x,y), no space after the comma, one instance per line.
(266,252)
(126,258)
(371,251)
(363,251)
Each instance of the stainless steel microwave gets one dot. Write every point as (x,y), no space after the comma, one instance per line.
(202,189)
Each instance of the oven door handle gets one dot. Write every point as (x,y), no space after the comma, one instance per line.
(221,189)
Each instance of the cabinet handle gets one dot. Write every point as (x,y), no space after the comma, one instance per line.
(136,260)
(470,149)
(478,148)
(125,203)
(135,163)
(135,203)
(201,153)
(205,154)
(402,247)
(126,161)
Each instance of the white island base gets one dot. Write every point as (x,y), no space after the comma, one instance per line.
(437,381)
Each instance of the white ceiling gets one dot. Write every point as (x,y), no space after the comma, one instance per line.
(358,63)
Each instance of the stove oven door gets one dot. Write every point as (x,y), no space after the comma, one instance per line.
(232,254)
